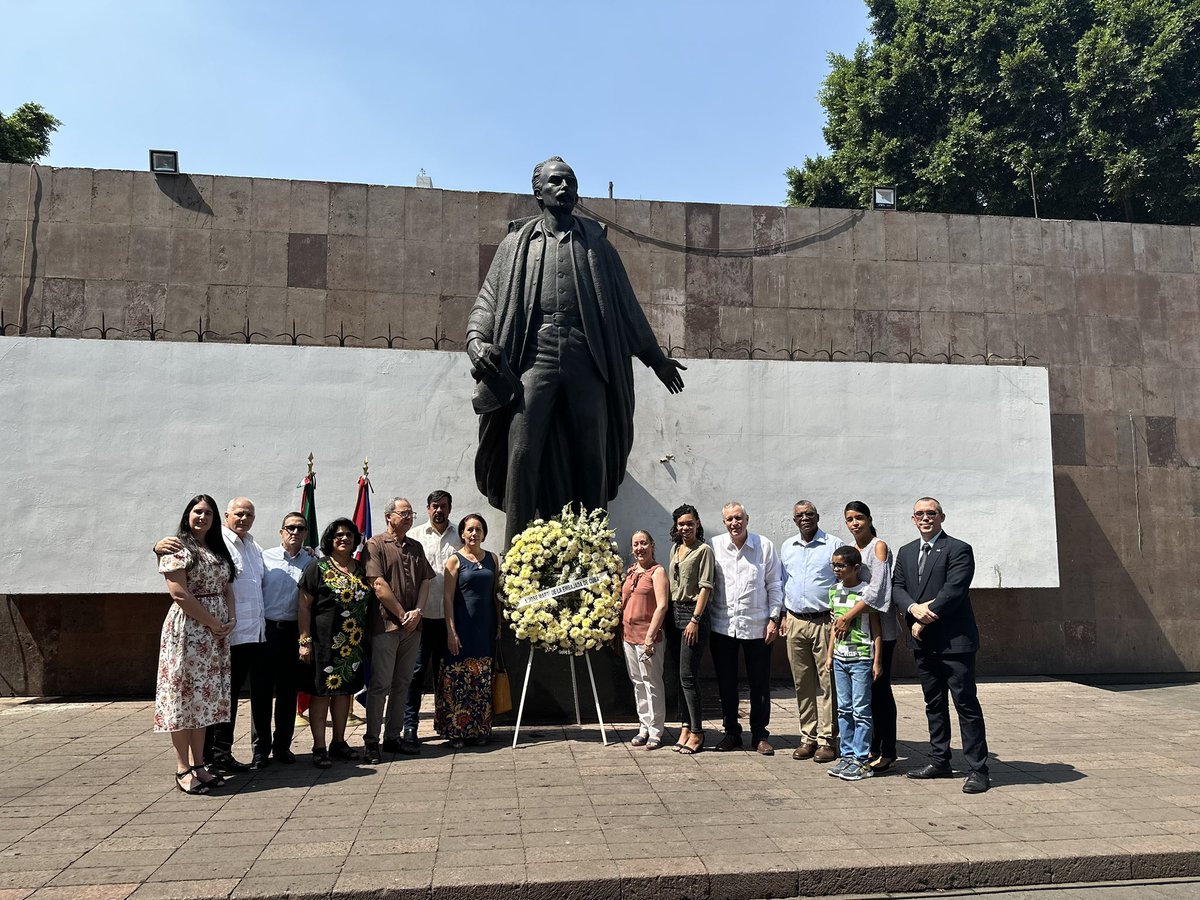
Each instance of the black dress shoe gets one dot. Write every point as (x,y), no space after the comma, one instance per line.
(930,771)
(284,755)
(410,735)
(227,765)
(371,754)
(729,742)
(976,783)
(391,745)
(259,760)
(343,751)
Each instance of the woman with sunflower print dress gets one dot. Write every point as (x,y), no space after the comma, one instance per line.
(463,706)
(335,597)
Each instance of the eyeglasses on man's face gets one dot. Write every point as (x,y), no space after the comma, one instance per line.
(295,529)
(926,514)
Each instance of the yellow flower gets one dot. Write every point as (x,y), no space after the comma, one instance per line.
(333,682)
(347,650)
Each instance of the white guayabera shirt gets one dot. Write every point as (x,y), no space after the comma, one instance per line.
(251,626)
(749,587)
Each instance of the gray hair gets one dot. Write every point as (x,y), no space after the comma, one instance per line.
(934,500)
(236,500)
(735,504)
(806,503)
(391,505)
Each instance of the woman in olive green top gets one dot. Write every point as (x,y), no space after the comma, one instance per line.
(691,575)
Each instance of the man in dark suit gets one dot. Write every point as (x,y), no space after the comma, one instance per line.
(931,584)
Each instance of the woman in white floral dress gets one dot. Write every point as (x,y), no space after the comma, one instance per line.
(193,654)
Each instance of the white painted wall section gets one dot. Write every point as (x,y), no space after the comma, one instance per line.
(104,441)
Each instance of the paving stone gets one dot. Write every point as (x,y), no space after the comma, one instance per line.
(186,890)
(85,892)
(406,884)
(308,886)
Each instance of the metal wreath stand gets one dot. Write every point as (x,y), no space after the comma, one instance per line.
(554,592)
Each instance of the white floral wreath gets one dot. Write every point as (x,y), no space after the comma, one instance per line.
(574,547)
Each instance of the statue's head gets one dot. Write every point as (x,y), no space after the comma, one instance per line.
(555,185)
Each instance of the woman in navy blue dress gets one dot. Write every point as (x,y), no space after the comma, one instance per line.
(463,707)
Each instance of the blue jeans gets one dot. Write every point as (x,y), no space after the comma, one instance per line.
(852,686)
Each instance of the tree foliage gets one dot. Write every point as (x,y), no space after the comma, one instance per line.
(25,134)
(966,105)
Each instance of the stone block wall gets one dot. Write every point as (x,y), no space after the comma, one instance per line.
(1111,309)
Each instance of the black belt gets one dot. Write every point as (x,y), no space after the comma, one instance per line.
(824,614)
(282,623)
(564,320)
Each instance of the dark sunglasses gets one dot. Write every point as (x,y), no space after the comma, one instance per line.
(295,528)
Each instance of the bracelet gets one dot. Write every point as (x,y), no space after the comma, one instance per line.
(696,620)
(306,642)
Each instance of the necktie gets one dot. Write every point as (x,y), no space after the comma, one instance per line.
(925,548)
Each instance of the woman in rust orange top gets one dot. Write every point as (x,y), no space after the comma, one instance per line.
(644,601)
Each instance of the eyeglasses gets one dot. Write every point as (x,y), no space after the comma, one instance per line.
(808,515)
(404,514)
(343,536)
(840,565)
(927,514)
(295,528)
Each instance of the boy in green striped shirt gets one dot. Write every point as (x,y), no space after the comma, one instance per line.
(855,659)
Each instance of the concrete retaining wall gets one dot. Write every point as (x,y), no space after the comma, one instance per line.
(1110,309)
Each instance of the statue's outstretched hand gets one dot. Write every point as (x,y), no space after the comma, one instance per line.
(668,371)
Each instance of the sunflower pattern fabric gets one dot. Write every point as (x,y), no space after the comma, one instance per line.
(340,607)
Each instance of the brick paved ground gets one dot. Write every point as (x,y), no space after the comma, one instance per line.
(1090,784)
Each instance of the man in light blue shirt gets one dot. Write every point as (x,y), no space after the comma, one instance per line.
(282,568)
(807,561)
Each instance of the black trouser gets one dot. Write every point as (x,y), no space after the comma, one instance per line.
(246,661)
(946,675)
(429,659)
(281,678)
(685,659)
(758,673)
(883,707)
(561,391)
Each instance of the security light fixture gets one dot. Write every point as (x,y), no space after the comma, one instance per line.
(164,162)
(423,180)
(883,197)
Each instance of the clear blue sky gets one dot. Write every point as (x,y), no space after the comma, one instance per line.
(704,101)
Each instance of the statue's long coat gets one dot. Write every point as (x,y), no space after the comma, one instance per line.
(616,330)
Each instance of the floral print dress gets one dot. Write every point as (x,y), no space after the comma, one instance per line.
(463,703)
(193,664)
(340,604)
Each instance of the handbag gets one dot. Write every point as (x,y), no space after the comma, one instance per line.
(501,689)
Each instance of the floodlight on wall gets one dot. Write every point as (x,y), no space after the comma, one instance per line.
(164,162)
(883,196)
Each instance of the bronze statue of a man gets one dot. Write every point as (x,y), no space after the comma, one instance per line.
(551,338)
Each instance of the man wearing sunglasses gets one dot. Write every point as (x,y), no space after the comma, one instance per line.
(931,583)
(282,568)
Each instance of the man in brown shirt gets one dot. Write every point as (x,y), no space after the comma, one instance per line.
(401,576)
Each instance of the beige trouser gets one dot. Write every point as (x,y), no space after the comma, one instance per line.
(807,644)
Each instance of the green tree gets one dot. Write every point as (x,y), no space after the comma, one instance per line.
(25,134)
(967,105)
